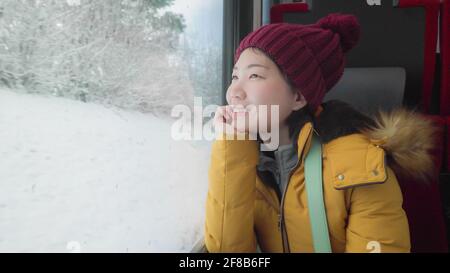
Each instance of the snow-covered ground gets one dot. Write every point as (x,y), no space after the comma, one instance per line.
(82,177)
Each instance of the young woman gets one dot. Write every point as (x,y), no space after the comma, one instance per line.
(259,197)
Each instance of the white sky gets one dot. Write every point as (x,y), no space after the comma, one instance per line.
(203,19)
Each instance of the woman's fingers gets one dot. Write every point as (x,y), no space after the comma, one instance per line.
(221,119)
(228,113)
(232,119)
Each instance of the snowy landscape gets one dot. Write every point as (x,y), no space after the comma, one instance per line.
(88,161)
(82,177)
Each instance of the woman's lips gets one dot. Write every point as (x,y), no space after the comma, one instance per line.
(239,109)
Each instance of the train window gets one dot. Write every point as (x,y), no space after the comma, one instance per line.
(86,92)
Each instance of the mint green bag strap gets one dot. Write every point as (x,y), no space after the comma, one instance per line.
(316,205)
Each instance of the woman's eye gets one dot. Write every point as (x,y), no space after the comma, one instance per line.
(254,76)
(234,77)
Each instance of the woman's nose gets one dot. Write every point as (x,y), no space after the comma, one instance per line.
(237,95)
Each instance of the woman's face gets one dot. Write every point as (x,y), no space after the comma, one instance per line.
(257,81)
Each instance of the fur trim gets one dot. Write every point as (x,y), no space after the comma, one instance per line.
(408,138)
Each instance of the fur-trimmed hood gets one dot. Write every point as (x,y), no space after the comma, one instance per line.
(406,136)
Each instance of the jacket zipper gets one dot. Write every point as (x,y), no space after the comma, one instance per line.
(281,223)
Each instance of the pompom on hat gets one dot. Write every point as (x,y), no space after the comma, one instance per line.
(311,56)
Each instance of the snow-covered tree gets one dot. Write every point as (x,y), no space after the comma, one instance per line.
(110,51)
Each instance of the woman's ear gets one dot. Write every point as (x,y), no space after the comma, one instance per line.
(299,101)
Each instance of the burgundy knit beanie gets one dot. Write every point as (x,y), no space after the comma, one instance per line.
(312,56)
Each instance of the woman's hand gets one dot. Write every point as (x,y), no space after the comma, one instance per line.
(223,120)
(235,119)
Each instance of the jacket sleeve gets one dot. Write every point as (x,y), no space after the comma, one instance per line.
(377,221)
(229,223)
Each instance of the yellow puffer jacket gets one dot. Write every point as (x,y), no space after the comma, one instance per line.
(362,197)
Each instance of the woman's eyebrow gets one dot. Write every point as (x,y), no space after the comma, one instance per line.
(253,65)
